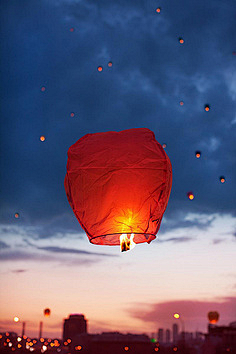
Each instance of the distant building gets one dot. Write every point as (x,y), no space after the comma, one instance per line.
(112,342)
(220,338)
(175,333)
(167,336)
(161,335)
(74,325)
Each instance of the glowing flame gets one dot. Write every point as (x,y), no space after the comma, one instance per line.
(126,243)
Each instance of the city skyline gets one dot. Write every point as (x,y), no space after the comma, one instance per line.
(75,67)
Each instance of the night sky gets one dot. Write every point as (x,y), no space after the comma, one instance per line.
(51,87)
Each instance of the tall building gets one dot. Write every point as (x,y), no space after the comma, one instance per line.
(167,336)
(175,333)
(75,324)
(161,335)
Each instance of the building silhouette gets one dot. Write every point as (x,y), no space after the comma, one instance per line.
(74,325)
(167,336)
(175,333)
(161,335)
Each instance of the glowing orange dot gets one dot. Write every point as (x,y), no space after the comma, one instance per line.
(110,64)
(181,103)
(43,88)
(164,146)
(100,68)
(222,179)
(16,319)
(78,347)
(175,349)
(7,334)
(41,340)
(72,114)
(19,345)
(207,108)
(126,349)
(176,315)
(191,196)
(16,216)
(42,138)
(156,349)
(158,10)
(8,340)
(181,41)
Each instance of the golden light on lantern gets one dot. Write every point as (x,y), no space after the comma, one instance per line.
(16,319)
(158,10)
(181,40)
(78,347)
(198,154)
(222,179)
(99,68)
(207,107)
(42,138)
(213,317)
(190,195)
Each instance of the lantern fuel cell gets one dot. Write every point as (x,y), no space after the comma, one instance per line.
(118,183)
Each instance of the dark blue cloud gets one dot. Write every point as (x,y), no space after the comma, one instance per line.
(151,73)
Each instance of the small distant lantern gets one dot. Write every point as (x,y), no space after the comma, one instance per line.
(110,64)
(181,40)
(17,215)
(72,29)
(164,146)
(198,154)
(207,107)
(158,10)
(42,138)
(176,315)
(99,68)
(43,88)
(213,317)
(16,319)
(190,195)
(72,114)
(222,179)
(47,312)
(126,348)
(181,103)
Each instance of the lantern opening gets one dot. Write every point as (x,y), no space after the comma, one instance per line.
(126,243)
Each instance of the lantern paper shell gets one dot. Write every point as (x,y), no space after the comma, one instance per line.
(118,183)
(213,317)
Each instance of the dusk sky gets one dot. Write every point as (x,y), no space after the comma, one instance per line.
(51,87)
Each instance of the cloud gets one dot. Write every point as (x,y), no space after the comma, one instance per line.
(19,271)
(54,249)
(3,245)
(192,311)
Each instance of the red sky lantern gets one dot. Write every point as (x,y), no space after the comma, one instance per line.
(118,185)
(47,312)
(99,68)
(213,317)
